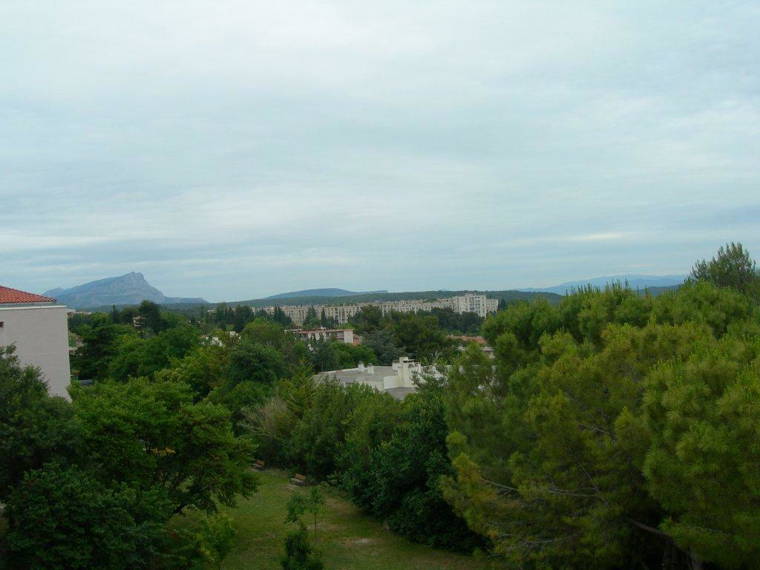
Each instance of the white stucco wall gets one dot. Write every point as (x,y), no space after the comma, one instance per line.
(40,333)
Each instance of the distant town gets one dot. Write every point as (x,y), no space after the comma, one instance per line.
(470,303)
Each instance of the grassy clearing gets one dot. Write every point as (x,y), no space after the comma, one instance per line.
(348,539)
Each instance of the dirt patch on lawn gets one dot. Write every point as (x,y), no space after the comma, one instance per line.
(361,541)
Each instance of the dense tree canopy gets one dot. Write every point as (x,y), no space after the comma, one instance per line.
(34,427)
(613,427)
(93,482)
(731,267)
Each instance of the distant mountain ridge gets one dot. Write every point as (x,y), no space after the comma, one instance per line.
(633,281)
(380,296)
(129,289)
(329,292)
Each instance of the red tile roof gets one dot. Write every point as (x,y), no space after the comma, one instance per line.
(13,296)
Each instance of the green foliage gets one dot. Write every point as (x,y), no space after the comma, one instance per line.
(368,320)
(382,343)
(252,373)
(299,505)
(152,434)
(612,428)
(703,302)
(397,479)
(34,427)
(389,456)
(703,417)
(281,318)
(420,337)
(526,321)
(609,427)
(372,422)
(270,424)
(336,355)
(107,471)
(257,363)
(319,434)
(311,321)
(65,518)
(299,555)
(100,344)
(458,323)
(267,333)
(204,369)
(732,267)
(150,317)
(135,356)
(215,538)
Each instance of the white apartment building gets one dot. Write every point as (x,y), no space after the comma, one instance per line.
(38,327)
(346,336)
(470,302)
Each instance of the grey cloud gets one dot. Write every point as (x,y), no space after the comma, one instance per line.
(234,149)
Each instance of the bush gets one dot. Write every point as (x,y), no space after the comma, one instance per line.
(299,554)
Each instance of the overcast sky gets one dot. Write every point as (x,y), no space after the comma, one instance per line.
(236,149)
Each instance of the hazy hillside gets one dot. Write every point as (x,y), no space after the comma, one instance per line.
(330,292)
(631,280)
(508,296)
(129,289)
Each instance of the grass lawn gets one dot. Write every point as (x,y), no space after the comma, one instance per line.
(348,539)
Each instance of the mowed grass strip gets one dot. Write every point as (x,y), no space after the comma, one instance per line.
(347,539)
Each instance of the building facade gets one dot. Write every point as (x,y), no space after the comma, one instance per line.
(345,336)
(399,379)
(471,302)
(38,327)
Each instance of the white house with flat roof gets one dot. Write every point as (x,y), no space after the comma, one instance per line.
(38,327)
(399,379)
(346,336)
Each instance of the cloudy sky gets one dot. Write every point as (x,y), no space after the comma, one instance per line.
(235,149)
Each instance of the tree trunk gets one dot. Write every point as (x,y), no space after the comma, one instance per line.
(696,561)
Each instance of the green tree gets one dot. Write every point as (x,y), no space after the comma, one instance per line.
(100,344)
(383,344)
(420,337)
(242,315)
(34,427)
(323,355)
(458,323)
(372,422)
(368,320)
(273,335)
(299,555)
(204,369)
(731,267)
(327,322)
(66,518)
(215,538)
(152,434)
(322,410)
(311,321)
(150,314)
(299,505)
(703,302)
(703,418)
(254,362)
(137,356)
(549,445)
(398,478)
(281,318)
